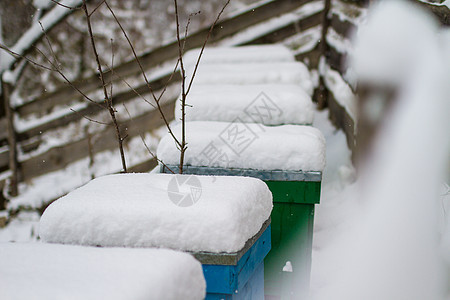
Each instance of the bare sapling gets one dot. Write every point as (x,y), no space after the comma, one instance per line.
(186,86)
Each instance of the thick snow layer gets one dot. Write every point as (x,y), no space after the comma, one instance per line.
(271,104)
(52,272)
(246,73)
(247,146)
(243,54)
(140,210)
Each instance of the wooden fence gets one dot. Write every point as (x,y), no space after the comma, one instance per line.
(30,165)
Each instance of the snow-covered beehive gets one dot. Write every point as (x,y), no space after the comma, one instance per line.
(53,272)
(253,73)
(145,210)
(223,221)
(248,146)
(269,104)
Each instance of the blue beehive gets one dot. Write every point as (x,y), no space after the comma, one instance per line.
(237,275)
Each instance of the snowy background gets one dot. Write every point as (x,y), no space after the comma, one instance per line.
(384,234)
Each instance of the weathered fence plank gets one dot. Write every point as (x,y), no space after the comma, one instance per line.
(58,157)
(151,59)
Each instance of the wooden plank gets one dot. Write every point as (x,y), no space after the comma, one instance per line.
(441,12)
(336,60)
(59,157)
(93,109)
(342,27)
(291,29)
(145,166)
(151,59)
(341,119)
(12,141)
(312,57)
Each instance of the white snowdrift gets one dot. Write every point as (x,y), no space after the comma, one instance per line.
(247,73)
(52,272)
(248,146)
(270,104)
(136,210)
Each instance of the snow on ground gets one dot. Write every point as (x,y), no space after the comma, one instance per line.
(157,210)
(247,146)
(54,272)
(270,104)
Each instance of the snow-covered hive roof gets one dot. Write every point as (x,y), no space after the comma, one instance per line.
(53,272)
(140,210)
(247,54)
(270,104)
(252,73)
(247,146)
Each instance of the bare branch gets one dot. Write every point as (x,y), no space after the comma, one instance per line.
(58,65)
(65,6)
(17,55)
(169,80)
(204,45)
(158,106)
(108,100)
(97,7)
(132,49)
(145,144)
(89,119)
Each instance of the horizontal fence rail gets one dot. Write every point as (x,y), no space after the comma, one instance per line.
(58,157)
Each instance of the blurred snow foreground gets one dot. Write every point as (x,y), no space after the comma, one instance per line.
(396,248)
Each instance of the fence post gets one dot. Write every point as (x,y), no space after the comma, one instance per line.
(322,92)
(12,139)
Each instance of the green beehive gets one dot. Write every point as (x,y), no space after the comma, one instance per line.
(294,196)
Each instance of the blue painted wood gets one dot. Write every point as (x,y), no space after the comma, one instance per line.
(222,279)
(252,290)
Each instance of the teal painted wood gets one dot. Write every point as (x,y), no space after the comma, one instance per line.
(232,279)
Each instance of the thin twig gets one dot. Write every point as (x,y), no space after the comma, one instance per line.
(67,79)
(108,100)
(158,105)
(132,49)
(17,55)
(169,80)
(182,146)
(112,69)
(130,87)
(89,119)
(58,65)
(65,6)
(145,144)
(97,7)
(204,45)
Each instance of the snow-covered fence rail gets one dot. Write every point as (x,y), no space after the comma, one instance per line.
(344,18)
(281,20)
